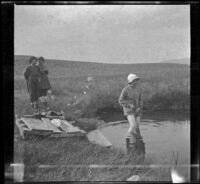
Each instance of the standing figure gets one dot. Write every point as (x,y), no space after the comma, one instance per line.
(32,76)
(45,87)
(130,99)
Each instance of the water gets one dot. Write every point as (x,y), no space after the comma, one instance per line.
(166,142)
(162,138)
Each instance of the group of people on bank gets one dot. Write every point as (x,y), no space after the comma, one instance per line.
(38,85)
(36,75)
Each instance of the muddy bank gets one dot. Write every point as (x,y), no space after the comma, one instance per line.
(115,115)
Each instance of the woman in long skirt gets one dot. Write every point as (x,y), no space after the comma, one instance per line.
(45,86)
(32,76)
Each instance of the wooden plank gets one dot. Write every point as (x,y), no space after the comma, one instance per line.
(73,128)
(23,129)
(17,122)
(50,125)
(40,133)
(96,137)
(68,124)
(36,124)
(64,127)
(55,117)
(66,135)
(70,128)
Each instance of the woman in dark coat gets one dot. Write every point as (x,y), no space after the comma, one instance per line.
(44,81)
(32,76)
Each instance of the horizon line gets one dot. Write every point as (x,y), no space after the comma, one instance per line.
(149,62)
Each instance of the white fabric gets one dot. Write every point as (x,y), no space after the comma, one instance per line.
(131,77)
(56,122)
(133,124)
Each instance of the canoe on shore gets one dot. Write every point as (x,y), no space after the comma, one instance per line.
(45,127)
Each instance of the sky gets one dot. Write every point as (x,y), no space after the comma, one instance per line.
(103,33)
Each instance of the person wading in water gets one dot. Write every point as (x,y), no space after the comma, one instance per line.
(130,99)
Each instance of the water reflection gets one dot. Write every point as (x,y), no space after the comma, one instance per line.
(136,149)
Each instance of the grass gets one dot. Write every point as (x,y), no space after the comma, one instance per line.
(165,87)
(105,93)
(71,159)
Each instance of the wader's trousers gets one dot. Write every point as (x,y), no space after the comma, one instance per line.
(134,125)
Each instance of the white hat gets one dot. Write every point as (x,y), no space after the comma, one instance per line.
(90,79)
(131,77)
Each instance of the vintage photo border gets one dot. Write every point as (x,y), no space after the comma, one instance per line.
(8,72)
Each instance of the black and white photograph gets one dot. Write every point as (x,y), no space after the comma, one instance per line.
(102,93)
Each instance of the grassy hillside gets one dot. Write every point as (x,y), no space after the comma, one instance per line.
(165,86)
(62,69)
(179,61)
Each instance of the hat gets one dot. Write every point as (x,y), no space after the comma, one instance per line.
(132,77)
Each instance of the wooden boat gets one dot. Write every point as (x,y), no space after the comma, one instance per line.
(30,126)
(44,127)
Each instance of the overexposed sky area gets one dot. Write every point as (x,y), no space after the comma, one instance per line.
(103,33)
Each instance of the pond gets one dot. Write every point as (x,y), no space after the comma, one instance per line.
(165,140)
(161,138)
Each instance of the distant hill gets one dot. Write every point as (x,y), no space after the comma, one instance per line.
(178,61)
(175,61)
(65,68)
